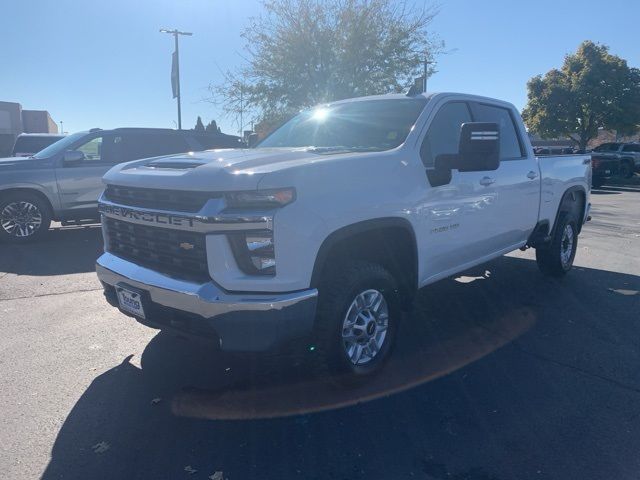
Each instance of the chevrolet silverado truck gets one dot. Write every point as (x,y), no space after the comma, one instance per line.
(322,234)
(63,181)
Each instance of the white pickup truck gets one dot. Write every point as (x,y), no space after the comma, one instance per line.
(321,235)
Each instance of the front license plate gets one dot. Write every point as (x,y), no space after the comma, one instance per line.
(130,301)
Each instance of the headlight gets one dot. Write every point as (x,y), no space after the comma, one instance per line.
(254,252)
(261,198)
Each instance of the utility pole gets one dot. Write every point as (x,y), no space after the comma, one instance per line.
(61,127)
(426,70)
(241,109)
(175,69)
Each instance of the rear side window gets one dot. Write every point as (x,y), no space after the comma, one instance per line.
(631,148)
(510,144)
(443,136)
(134,147)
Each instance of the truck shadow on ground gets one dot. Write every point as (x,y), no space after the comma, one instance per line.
(515,396)
(64,250)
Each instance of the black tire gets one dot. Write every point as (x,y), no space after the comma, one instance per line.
(337,292)
(626,169)
(597,182)
(38,208)
(550,257)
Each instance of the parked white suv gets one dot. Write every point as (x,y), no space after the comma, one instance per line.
(324,232)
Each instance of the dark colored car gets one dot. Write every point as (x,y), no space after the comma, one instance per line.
(603,168)
(621,159)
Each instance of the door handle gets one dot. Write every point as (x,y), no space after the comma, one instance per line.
(532,175)
(486,181)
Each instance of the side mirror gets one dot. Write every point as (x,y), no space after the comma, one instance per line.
(253,140)
(479,148)
(73,157)
(478,151)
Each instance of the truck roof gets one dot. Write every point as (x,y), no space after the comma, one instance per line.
(41,135)
(169,131)
(420,96)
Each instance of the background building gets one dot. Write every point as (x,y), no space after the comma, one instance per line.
(14,121)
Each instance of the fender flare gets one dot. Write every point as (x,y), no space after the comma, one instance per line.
(570,196)
(353,229)
(35,188)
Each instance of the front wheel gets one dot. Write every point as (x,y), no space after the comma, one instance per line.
(556,258)
(24,217)
(358,315)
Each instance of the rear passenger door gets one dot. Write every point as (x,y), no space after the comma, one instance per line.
(516,182)
(632,151)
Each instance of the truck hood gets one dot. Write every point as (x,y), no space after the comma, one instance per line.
(219,170)
(23,163)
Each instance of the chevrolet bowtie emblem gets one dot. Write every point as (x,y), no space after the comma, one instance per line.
(186,246)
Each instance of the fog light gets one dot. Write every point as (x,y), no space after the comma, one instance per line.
(263,263)
(259,243)
(254,252)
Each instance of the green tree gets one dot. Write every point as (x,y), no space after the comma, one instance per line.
(303,52)
(212,127)
(199,125)
(593,89)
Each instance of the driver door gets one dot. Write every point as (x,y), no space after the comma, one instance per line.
(80,183)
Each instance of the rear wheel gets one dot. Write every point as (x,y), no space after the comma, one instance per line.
(24,217)
(626,169)
(358,315)
(556,258)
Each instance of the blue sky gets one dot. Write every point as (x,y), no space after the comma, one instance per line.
(104,64)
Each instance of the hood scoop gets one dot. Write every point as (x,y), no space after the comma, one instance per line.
(175,163)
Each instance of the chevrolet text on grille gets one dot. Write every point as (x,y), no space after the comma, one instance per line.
(201,223)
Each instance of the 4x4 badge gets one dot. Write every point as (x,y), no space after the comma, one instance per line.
(186,246)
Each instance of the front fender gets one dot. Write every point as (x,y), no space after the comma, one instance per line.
(48,190)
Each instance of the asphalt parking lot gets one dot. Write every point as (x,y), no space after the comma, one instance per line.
(498,374)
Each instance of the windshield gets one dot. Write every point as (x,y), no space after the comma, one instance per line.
(372,125)
(607,147)
(60,146)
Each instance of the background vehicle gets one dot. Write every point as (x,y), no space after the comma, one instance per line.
(28,144)
(333,222)
(603,168)
(63,181)
(554,151)
(624,157)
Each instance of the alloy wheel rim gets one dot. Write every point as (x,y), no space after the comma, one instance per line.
(365,325)
(20,219)
(566,246)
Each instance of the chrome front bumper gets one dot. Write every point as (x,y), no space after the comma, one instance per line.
(241,321)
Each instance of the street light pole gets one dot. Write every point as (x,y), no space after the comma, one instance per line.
(175,33)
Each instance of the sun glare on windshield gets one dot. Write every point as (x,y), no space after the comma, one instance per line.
(320,114)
